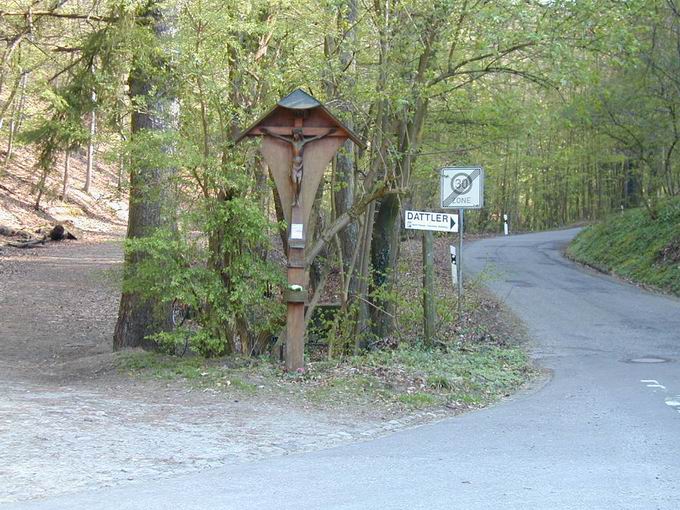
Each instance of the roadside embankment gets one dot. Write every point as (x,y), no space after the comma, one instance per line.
(635,245)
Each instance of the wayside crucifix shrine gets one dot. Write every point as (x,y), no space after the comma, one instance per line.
(300,137)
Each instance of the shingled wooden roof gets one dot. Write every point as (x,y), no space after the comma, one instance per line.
(299,100)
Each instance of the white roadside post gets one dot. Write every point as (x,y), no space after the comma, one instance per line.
(461,188)
(505,224)
(454,269)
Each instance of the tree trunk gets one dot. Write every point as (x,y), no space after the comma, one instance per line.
(343,199)
(121,171)
(16,116)
(151,205)
(363,312)
(384,255)
(387,227)
(67,164)
(343,185)
(9,102)
(90,150)
(632,185)
(315,228)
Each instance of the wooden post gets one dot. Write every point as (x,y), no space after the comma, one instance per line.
(295,326)
(429,309)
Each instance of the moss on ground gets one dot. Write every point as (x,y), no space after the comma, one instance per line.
(401,379)
(635,246)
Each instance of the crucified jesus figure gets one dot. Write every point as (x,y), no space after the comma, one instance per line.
(297,142)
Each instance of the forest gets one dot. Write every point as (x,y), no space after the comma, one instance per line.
(570,106)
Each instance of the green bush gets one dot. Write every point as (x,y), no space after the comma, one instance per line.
(231,291)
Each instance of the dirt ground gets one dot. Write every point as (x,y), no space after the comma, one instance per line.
(70,420)
(99,214)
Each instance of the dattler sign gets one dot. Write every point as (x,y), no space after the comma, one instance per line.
(440,222)
(462,187)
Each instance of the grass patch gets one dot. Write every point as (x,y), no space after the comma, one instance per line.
(418,400)
(635,246)
(455,376)
(398,380)
(196,371)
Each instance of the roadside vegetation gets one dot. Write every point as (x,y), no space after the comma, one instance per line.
(395,381)
(475,358)
(639,245)
(474,362)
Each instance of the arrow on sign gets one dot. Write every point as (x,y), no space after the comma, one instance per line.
(456,193)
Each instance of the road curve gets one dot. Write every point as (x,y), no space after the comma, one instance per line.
(602,433)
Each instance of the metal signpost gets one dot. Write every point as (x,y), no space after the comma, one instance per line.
(461,188)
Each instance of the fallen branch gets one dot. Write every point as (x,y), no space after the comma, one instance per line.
(31,243)
(7,231)
(58,232)
(8,190)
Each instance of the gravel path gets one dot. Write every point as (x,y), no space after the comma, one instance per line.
(69,421)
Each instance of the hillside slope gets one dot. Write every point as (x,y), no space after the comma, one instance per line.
(100,214)
(635,246)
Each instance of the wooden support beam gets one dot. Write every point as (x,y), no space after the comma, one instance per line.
(295,329)
(308,131)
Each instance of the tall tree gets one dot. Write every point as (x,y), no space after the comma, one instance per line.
(154,123)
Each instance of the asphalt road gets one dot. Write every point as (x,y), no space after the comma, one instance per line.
(603,432)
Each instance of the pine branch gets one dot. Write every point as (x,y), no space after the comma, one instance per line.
(65,15)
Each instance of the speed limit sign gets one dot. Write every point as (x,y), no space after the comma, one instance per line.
(462,187)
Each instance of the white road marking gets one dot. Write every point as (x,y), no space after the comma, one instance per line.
(653,383)
(673,402)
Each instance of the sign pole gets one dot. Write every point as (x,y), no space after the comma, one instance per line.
(461,188)
(459,259)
